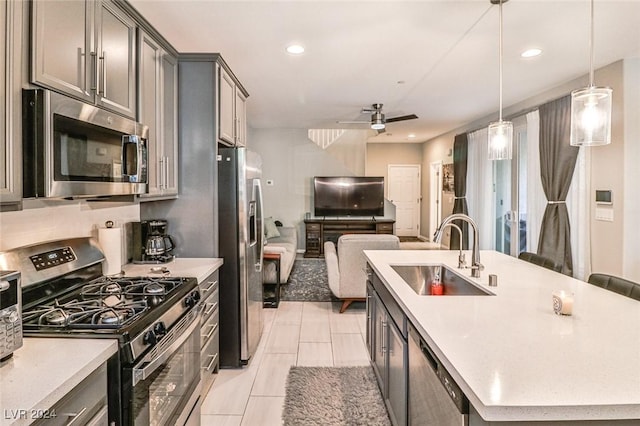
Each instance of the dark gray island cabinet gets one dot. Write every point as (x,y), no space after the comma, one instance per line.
(503,358)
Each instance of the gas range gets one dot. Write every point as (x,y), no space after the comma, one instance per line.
(155,320)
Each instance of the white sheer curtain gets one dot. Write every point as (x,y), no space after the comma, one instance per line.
(578,207)
(480,195)
(536,200)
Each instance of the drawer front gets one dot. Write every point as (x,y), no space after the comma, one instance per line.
(209,306)
(313,226)
(209,285)
(209,328)
(209,354)
(384,227)
(81,405)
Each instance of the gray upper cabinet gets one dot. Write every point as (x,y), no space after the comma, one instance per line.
(158,109)
(241,119)
(233,116)
(226,129)
(10,103)
(85,49)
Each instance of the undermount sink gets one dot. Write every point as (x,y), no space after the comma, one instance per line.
(418,277)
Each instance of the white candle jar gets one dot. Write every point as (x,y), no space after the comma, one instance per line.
(562,302)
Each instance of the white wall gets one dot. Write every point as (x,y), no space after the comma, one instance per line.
(631,243)
(41,221)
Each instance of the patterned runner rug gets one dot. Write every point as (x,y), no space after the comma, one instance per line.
(308,282)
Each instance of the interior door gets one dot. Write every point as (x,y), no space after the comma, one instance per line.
(404,193)
(435,197)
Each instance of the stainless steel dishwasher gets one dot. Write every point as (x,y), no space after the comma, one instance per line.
(434,398)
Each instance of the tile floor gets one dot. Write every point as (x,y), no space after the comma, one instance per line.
(296,333)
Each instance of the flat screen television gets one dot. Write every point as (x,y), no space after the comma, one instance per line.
(348,196)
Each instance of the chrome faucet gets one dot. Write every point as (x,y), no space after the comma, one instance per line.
(476,266)
(461,260)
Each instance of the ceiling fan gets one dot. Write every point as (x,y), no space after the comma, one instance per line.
(378,120)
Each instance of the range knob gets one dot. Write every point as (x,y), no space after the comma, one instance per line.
(159,329)
(9,317)
(192,299)
(149,338)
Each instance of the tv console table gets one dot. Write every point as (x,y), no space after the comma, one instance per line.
(318,231)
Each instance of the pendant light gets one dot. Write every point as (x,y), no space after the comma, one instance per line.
(500,132)
(591,109)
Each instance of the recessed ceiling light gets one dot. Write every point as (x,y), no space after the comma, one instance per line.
(530,53)
(295,49)
(411,136)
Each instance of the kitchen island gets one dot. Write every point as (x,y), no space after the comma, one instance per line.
(514,359)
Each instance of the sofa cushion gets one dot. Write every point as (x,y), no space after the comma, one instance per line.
(270,228)
(286,246)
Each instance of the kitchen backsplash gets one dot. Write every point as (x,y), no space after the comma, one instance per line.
(50,221)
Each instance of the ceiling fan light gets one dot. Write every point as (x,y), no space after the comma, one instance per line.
(591,116)
(500,140)
(377,121)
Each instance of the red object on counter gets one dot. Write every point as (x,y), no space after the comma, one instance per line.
(437,289)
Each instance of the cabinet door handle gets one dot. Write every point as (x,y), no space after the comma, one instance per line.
(160,172)
(212,284)
(212,308)
(166,172)
(384,336)
(210,333)
(213,361)
(103,58)
(75,416)
(94,83)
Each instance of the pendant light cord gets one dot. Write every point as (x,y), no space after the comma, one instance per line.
(500,73)
(591,49)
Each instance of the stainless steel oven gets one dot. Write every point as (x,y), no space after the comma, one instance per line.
(165,384)
(76,150)
(154,379)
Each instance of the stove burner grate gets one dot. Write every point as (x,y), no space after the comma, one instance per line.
(84,314)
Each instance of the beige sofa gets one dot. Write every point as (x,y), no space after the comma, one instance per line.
(346,268)
(285,245)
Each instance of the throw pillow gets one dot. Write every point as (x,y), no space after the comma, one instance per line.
(270,229)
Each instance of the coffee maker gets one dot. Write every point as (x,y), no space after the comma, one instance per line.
(151,243)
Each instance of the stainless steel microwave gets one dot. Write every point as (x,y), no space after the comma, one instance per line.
(75,150)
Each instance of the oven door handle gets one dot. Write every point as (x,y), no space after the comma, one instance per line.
(143,373)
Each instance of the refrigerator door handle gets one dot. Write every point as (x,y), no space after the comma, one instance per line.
(258,217)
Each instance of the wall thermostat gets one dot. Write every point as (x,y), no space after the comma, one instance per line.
(604,196)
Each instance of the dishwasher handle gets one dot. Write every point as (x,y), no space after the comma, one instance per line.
(428,355)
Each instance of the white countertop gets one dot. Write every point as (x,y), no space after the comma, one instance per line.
(44,370)
(199,268)
(511,355)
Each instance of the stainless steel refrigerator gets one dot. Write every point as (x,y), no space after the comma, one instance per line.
(241,234)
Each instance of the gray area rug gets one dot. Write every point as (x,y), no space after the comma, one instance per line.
(334,396)
(308,282)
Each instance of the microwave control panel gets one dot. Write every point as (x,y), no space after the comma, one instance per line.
(52,258)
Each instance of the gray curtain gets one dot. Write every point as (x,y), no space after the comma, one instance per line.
(557,161)
(460,149)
